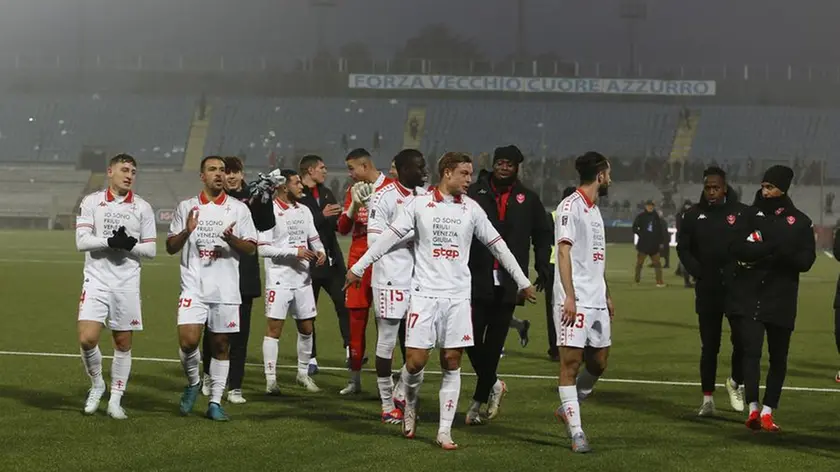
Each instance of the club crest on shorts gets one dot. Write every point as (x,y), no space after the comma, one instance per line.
(520,197)
(730,219)
(791,220)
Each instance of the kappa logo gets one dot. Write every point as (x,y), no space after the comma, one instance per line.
(730,219)
(466,338)
(520,198)
(232,324)
(430,205)
(102,204)
(779,210)
(135,323)
(791,220)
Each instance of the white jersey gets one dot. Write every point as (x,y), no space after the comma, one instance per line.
(209,266)
(444,228)
(294,228)
(579,223)
(100,214)
(395,269)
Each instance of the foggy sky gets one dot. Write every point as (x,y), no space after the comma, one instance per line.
(676,31)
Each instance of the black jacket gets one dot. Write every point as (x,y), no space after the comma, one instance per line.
(773,243)
(526,223)
(326,230)
(649,227)
(262,214)
(704,233)
(837,256)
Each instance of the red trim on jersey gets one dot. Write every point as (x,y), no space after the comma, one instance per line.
(284,205)
(315,193)
(148,240)
(204,199)
(439,197)
(586,199)
(565,240)
(109,196)
(403,191)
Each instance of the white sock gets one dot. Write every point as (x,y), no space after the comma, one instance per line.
(733,384)
(766,410)
(304,348)
(753,406)
(399,388)
(271,347)
(450,390)
(586,382)
(386,393)
(218,379)
(571,408)
(92,360)
(313,361)
(356,377)
(191,362)
(120,370)
(412,383)
(707,398)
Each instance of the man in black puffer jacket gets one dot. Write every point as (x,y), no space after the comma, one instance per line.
(650,231)
(703,239)
(772,245)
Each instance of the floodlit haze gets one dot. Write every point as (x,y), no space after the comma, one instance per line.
(676,31)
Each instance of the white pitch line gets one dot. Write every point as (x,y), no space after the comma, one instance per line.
(343,369)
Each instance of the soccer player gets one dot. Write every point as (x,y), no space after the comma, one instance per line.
(354,220)
(289,248)
(703,241)
(391,280)
(583,309)
(115,228)
(442,225)
(250,286)
(519,216)
(773,244)
(212,232)
(330,276)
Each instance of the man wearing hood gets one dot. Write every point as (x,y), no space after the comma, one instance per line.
(703,236)
(520,218)
(773,244)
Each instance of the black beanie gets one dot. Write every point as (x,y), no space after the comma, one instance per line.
(509,153)
(779,176)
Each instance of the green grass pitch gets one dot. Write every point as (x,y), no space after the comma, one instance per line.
(632,425)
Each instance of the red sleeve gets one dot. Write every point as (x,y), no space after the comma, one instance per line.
(345,224)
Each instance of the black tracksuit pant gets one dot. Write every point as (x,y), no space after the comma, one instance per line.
(778,344)
(837,328)
(333,285)
(549,315)
(711,330)
(491,322)
(238,346)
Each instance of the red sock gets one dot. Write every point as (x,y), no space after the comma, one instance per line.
(358,326)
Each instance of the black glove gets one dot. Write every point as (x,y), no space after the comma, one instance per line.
(121,240)
(543,278)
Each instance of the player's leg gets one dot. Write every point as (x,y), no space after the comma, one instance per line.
(385,343)
(401,338)
(553,350)
(126,318)
(657,269)
(752,333)
(305,311)
(239,352)
(494,342)
(571,340)
(522,328)
(93,311)
(277,304)
(191,321)
(420,339)
(454,334)
(335,288)
(640,261)
(778,346)
(223,322)
(596,352)
(710,324)
(837,337)
(358,302)
(735,382)
(482,312)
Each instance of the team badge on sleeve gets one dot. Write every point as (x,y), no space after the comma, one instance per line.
(564,220)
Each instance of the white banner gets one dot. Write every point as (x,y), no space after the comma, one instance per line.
(690,88)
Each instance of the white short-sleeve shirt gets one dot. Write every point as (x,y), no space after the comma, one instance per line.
(578,223)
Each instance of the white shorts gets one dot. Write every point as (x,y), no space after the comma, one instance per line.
(391,304)
(300,301)
(439,322)
(219,317)
(591,328)
(120,309)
